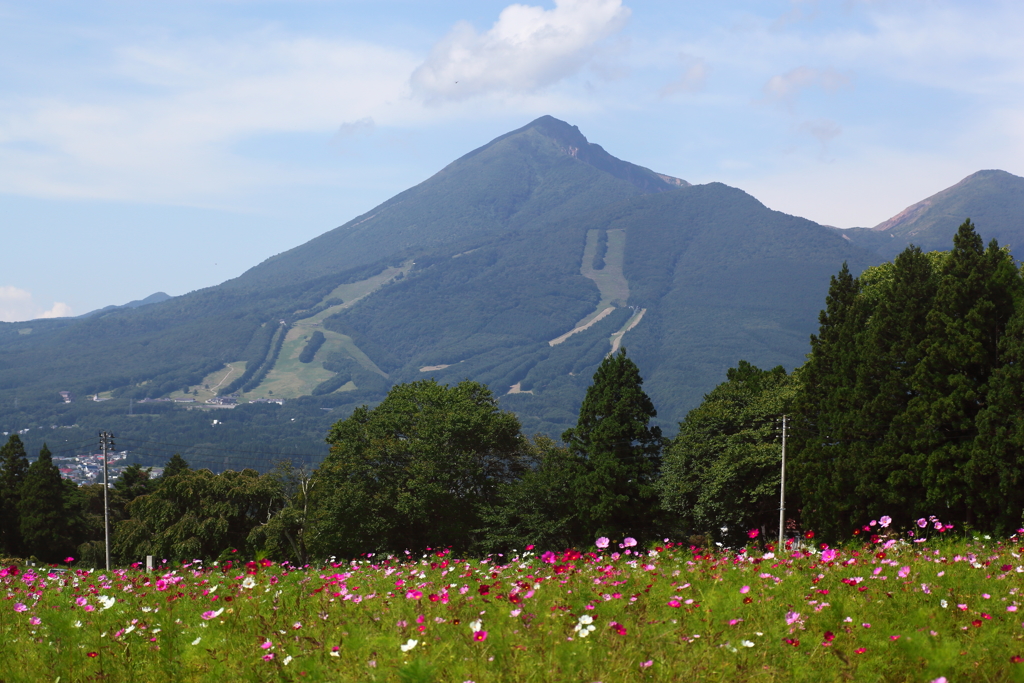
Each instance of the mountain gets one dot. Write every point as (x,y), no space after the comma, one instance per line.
(521,265)
(151,299)
(993,200)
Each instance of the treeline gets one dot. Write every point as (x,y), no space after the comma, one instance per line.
(432,465)
(909,405)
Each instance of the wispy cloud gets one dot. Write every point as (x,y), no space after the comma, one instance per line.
(526,49)
(786,88)
(693,79)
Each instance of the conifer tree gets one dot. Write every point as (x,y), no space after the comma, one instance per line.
(13,467)
(42,513)
(973,304)
(821,429)
(616,491)
(176,465)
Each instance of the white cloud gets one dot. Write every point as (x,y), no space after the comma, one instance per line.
(526,49)
(172,137)
(16,305)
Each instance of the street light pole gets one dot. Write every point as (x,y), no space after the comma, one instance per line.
(106,439)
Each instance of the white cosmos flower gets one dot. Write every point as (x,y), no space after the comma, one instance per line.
(746,643)
(249,582)
(476,626)
(410,644)
(106,601)
(586,619)
(196,641)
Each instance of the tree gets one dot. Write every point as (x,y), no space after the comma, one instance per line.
(176,465)
(973,303)
(196,514)
(283,535)
(133,482)
(622,453)
(721,473)
(539,508)
(13,468)
(44,527)
(415,471)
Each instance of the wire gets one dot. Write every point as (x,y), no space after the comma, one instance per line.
(219,450)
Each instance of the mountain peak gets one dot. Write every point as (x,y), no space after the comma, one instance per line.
(573,143)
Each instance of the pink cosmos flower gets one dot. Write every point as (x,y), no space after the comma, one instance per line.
(745,589)
(266,645)
(628,542)
(413,594)
(792,618)
(35,621)
(267,657)
(602,542)
(828,555)
(647,664)
(479,636)
(904,572)
(81,602)
(922,522)
(885,521)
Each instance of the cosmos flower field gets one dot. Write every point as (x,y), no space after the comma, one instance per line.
(889,607)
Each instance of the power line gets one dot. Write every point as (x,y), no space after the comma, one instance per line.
(221,450)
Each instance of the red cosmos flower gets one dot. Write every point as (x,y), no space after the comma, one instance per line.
(808,534)
(880,555)
(747,601)
(515,598)
(1016,659)
(618,628)
(856,532)
(92,654)
(976,623)
(434,597)
(484,589)
(829,636)
(251,567)
(1006,567)
(791,641)
(861,650)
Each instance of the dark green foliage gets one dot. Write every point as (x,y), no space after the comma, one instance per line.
(616,491)
(896,386)
(175,466)
(415,471)
(539,508)
(723,468)
(255,356)
(42,511)
(332,384)
(196,514)
(602,249)
(284,534)
(13,468)
(313,344)
(268,364)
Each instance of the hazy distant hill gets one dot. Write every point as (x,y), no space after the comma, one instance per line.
(994,200)
(520,265)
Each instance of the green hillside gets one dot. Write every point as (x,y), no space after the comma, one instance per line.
(520,265)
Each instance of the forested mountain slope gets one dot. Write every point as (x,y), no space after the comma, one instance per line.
(520,265)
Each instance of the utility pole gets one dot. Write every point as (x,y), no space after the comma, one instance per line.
(782,492)
(106,441)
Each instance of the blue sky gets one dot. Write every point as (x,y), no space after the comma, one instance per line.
(149,146)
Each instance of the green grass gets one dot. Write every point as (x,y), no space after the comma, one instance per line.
(910,612)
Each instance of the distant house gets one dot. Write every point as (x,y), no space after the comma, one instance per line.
(66,395)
